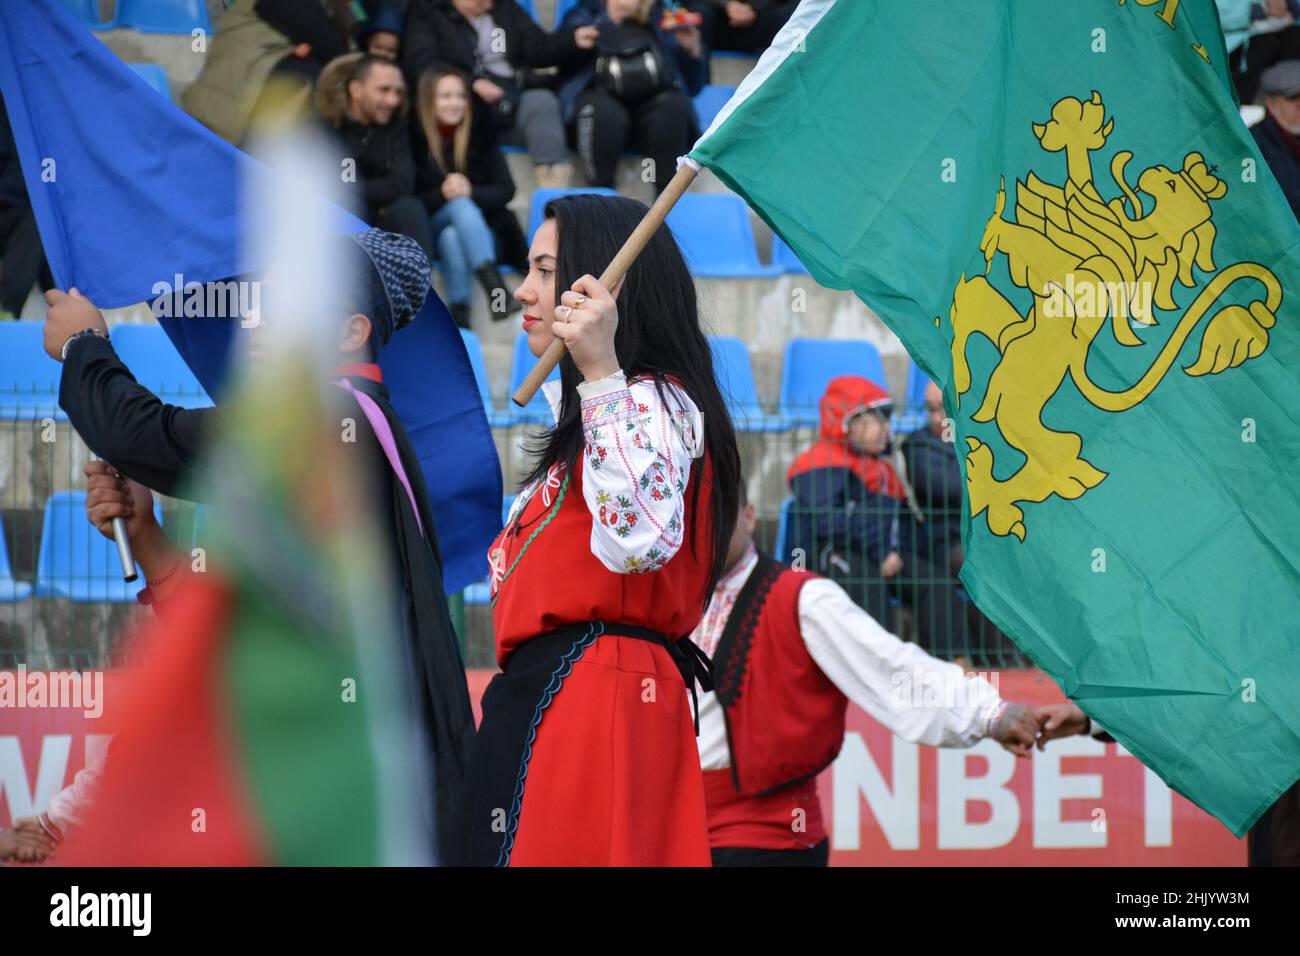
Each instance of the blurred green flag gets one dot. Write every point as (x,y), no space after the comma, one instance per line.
(1060,213)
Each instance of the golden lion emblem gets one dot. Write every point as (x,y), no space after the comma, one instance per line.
(1086,261)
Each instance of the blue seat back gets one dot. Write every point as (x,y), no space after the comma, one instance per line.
(783,257)
(538,412)
(75,560)
(710,101)
(163,16)
(87,11)
(736,379)
(809,366)
(148,353)
(542,196)
(475,350)
(29,379)
(154,75)
(715,235)
(780,547)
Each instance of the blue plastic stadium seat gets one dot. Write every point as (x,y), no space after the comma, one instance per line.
(783,258)
(912,415)
(148,353)
(542,196)
(154,75)
(810,364)
(29,379)
(475,349)
(76,562)
(716,237)
(538,412)
(87,11)
(478,592)
(736,380)
(710,101)
(10,590)
(779,547)
(163,16)
(561,8)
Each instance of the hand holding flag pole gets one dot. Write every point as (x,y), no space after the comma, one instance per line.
(616,269)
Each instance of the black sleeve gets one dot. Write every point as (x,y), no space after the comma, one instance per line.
(421,46)
(539,48)
(126,424)
(428,174)
(398,179)
(493,186)
(305,23)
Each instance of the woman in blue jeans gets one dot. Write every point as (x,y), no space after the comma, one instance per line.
(466,186)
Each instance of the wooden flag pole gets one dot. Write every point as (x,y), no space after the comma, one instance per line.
(613,272)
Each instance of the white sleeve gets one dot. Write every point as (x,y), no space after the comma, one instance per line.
(68,807)
(636,465)
(918,697)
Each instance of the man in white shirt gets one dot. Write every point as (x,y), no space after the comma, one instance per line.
(790,651)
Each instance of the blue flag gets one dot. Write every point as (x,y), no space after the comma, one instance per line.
(128,190)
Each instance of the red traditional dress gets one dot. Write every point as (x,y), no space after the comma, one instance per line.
(586,755)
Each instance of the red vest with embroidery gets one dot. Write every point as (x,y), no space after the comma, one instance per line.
(785,718)
(545,575)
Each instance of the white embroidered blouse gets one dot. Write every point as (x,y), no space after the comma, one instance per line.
(636,465)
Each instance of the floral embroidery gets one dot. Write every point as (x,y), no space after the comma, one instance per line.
(635,474)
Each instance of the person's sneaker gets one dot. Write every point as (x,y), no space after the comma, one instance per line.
(497,291)
(459,313)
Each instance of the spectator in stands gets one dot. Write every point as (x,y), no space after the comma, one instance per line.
(847,496)
(498,48)
(1278,133)
(381,35)
(1257,35)
(256,40)
(742,26)
(22,260)
(373,131)
(634,88)
(847,516)
(468,185)
(933,532)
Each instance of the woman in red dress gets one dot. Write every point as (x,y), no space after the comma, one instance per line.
(586,754)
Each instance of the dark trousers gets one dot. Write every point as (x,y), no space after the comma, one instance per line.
(1262,51)
(818,855)
(407,216)
(719,34)
(1274,840)
(22,256)
(661,126)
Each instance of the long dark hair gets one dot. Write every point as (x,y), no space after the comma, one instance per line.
(658,335)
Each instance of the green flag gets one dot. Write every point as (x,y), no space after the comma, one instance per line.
(1058,210)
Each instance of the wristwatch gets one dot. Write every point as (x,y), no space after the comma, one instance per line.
(67,343)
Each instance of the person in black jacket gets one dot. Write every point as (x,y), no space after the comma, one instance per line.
(633,90)
(159,446)
(21,255)
(1278,134)
(375,134)
(497,47)
(466,185)
(744,26)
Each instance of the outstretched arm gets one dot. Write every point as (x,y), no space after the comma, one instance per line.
(918,697)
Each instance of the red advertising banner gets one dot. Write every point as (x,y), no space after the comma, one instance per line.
(887,802)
